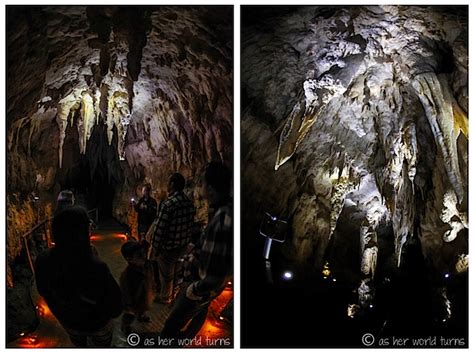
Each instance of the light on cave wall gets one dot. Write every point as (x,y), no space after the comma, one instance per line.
(326,270)
(462,263)
(118,116)
(452,216)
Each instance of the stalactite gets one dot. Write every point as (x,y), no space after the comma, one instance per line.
(341,186)
(118,116)
(438,105)
(66,106)
(403,213)
(369,261)
(317,95)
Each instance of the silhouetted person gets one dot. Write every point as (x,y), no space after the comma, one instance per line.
(214,255)
(146,209)
(136,283)
(76,284)
(65,199)
(173,233)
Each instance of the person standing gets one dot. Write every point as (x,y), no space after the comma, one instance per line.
(146,209)
(174,230)
(76,284)
(136,283)
(214,258)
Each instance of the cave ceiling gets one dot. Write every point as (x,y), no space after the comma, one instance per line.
(361,111)
(154,83)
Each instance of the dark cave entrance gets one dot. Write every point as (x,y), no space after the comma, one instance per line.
(94,176)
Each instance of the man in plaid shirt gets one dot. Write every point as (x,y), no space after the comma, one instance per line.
(173,234)
(214,260)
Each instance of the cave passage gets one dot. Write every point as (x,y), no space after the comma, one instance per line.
(92,177)
(104,101)
(108,239)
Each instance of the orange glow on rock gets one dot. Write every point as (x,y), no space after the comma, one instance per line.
(43,310)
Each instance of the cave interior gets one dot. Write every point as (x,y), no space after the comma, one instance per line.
(354,132)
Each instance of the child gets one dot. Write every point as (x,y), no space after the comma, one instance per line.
(136,283)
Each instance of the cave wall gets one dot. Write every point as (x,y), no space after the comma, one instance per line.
(137,92)
(358,110)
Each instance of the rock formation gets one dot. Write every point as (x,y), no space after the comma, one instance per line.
(114,97)
(355,119)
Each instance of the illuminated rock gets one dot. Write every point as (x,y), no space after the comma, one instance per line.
(451,215)
(378,90)
(462,263)
(127,95)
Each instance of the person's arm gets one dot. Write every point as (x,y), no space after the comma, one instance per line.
(164,218)
(135,205)
(152,208)
(215,260)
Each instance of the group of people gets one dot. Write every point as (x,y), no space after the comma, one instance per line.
(83,295)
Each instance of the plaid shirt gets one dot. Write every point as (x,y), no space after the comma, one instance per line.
(175,222)
(215,256)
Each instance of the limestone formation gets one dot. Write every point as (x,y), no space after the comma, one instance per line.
(114,97)
(153,83)
(364,111)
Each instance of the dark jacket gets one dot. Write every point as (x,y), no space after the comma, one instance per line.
(147,215)
(78,288)
(137,287)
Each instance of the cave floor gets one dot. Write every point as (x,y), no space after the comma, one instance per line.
(108,239)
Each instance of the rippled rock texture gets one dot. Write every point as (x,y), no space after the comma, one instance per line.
(125,95)
(355,127)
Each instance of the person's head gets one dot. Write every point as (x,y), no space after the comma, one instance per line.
(71,229)
(146,191)
(65,200)
(66,197)
(216,181)
(134,252)
(176,182)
